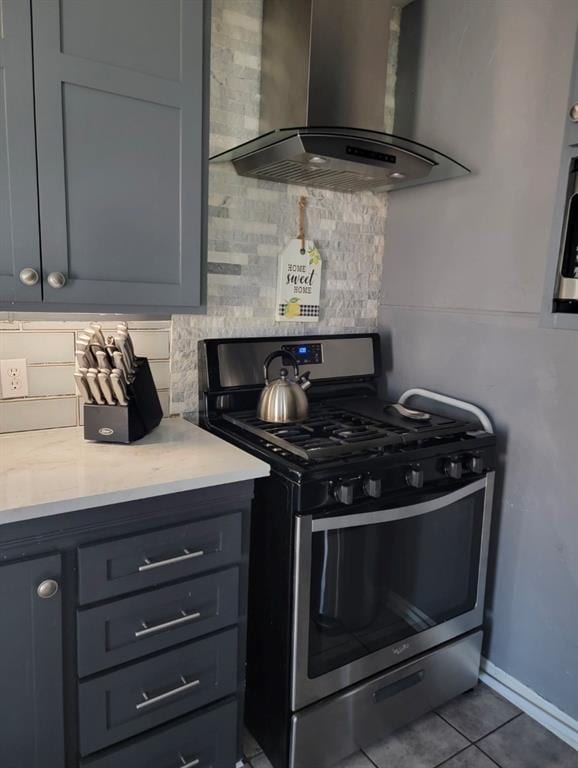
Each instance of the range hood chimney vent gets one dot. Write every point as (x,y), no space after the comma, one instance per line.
(323,89)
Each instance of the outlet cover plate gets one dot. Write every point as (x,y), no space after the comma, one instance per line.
(14,378)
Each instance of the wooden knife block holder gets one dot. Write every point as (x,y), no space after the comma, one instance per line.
(125,424)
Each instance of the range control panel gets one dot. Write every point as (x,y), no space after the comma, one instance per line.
(305,354)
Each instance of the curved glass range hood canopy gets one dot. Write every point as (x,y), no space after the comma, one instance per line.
(342,159)
(325,69)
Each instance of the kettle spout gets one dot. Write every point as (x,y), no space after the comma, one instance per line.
(304,380)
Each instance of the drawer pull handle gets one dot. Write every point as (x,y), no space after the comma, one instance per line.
(190,763)
(148,702)
(401,685)
(146,630)
(187,555)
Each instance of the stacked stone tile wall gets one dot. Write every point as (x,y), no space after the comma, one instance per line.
(250,222)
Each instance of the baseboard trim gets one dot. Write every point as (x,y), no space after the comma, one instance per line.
(545,713)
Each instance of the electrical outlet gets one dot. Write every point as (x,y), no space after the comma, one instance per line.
(13,378)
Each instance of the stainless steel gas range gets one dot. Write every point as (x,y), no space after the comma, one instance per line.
(369,546)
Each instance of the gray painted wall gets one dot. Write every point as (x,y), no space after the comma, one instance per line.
(462,285)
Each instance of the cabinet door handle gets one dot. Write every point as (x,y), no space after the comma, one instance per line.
(56,280)
(47,588)
(190,764)
(29,276)
(146,630)
(187,555)
(148,701)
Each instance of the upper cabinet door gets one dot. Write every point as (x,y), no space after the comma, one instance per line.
(19,246)
(120,90)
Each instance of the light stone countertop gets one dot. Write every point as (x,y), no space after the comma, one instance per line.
(53,471)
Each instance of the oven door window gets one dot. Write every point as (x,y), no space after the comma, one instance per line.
(378,584)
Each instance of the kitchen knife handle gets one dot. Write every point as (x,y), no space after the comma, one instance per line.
(83,347)
(121,340)
(97,327)
(104,381)
(82,387)
(118,387)
(119,363)
(92,379)
(103,359)
(81,359)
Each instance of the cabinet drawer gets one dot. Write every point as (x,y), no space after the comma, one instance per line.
(135,626)
(126,565)
(210,739)
(120,704)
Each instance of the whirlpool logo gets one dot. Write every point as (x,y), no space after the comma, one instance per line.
(399,649)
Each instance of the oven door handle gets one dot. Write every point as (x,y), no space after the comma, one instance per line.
(396,513)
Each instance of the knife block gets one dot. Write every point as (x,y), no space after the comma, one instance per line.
(125,424)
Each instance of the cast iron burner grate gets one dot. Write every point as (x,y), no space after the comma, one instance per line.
(331,431)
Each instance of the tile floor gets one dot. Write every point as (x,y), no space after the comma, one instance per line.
(477,730)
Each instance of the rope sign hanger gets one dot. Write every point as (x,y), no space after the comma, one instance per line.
(302,204)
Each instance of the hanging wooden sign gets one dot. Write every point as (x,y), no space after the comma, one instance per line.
(299,282)
(299,277)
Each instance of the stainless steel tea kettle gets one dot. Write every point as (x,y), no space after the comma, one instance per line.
(283,401)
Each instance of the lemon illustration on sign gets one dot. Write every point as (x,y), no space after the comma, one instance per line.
(292,308)
(314,255)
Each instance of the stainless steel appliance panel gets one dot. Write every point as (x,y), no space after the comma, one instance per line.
(305,688)
(324,733)
(241,362)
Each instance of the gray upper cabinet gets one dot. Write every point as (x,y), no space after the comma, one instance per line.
(119,89)
(19,244)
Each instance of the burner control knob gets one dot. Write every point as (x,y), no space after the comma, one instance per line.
(343,492)
(414,477)
(453,468)
(372,487)
(476,464)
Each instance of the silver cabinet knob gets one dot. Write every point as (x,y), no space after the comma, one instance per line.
(56,280)
(574,113)
(29,276)
(47,588)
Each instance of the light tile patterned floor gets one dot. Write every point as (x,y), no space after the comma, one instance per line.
(477,730)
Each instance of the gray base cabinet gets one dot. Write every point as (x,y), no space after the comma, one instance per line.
(31,664)
(116,90)
(123,642)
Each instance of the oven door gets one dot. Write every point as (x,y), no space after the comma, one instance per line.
(374,588)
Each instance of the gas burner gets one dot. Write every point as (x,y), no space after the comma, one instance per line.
(355,434)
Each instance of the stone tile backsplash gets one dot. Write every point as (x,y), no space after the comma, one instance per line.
(250,220)
(48,348)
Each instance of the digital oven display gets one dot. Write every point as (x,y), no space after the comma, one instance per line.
(305,354)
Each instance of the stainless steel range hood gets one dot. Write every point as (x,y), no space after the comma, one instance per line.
(324,70)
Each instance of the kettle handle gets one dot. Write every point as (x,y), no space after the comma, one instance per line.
(272,356)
